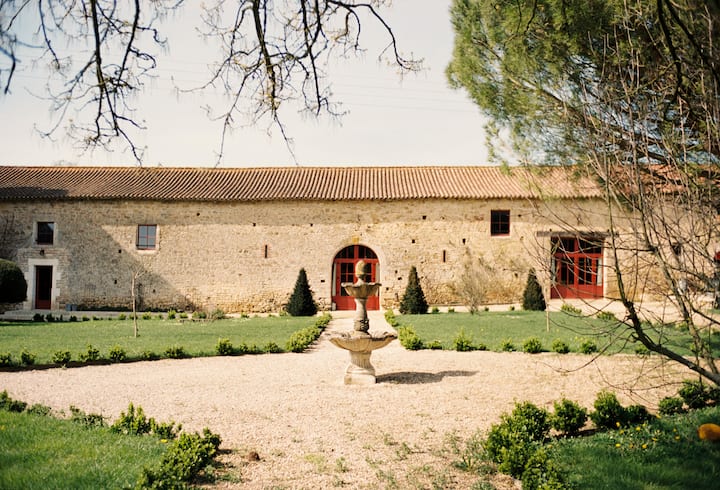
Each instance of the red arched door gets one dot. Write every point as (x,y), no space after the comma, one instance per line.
(344,271)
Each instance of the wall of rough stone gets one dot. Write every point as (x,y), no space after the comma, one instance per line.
(245,256)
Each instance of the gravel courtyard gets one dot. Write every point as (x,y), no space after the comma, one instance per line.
(288,421)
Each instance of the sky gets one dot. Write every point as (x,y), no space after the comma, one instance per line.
(415,119)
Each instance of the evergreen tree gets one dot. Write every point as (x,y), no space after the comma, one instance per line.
(533,299)
(13,287)
(413,301)
(301,301)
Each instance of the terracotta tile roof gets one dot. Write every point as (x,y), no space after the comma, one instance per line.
(290,183)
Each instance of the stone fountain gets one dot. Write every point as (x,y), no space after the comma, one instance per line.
(359,343)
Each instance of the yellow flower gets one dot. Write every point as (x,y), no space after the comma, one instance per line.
(644,446)
(617,424)
(164,441)
(677,438)
(617,445)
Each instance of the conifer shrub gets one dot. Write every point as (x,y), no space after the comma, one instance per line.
(463,342)
(560,346)
(413,301)
(301,301)
(13,287)
(671,405)
(409,338)
(569,417)
(609,413)
(533,298)
(533,345)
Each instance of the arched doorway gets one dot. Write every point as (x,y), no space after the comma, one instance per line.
(344,271)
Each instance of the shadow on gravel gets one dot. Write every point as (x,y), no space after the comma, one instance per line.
(413,378)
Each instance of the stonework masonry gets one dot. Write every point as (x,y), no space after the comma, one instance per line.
(245,256)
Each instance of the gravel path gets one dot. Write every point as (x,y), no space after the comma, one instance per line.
(311,431)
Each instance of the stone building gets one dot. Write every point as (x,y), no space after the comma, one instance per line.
(235,239)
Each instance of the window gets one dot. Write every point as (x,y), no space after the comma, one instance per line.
(146,237)
(499,222)
(45,233)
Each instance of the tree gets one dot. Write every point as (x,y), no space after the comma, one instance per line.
(474,283)
(301,301)
(13,287)
(629,91)
(102,52)
(413,301)
(533,298)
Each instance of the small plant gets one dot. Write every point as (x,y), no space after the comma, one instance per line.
(507,345)
(224,347)
(37,317)
(49,318)
(6,359)
(463,342)
(560,346)
(199,315)
(73,318)
(175,352)
(92,354)
(570,309)
(569,417)
(117,354)
(146,316)
(694,393)
(61,357)
(607,316)
(149,355)
(434,345)
(122,316)
(390,318)
(671,405)
(272,348)
(10,405)
(451,310)
(636,414)
(27,358)
(434,310)
(608,414)
(171,314)
(217,314)
(87,420)
(588,347)
(532,346)
(183,316)
(409,338)
(300,340)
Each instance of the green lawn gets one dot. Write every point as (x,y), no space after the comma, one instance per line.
(495,328)
(155,335)
(664,454)
(42,452)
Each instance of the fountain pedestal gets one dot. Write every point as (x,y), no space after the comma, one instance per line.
(360,343)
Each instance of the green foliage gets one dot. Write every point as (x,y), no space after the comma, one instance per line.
(570,309)
(13,287)
(533,298)
(541,472)
(117,354)
(507,345)
(301,301)
(91,354)
(176,352)
(300,340)
(86,420)
(695,394)
(607,316)
(391,318)
(409,338)
(61,357)
(5,359)
(671,405)
(224,347)
(186,457)
(532,345)
(135,422)
(272,348)
(560,346)
(609,413)
(513,441)
(588,347)
(27,358)
(463,342)
(217,314)
(413,301)
(568,417)
(10,405)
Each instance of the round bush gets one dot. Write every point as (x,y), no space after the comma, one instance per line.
(560,347)
(670,405)
(608,414)
(532,346)
(588,347)
(13,287)
(569,417)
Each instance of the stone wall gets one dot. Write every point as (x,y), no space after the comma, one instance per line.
(245,256)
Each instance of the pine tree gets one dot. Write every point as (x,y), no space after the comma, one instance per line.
(413,301)
(301,301)
(533,299)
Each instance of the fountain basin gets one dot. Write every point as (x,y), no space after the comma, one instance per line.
(360,346)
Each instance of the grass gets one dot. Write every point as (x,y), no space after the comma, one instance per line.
(495,328)
(155,335)
(663,454)
(43,452)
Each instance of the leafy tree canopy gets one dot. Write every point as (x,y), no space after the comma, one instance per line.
(556,72)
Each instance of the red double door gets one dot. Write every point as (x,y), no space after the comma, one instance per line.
(577,268)
(344,271)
